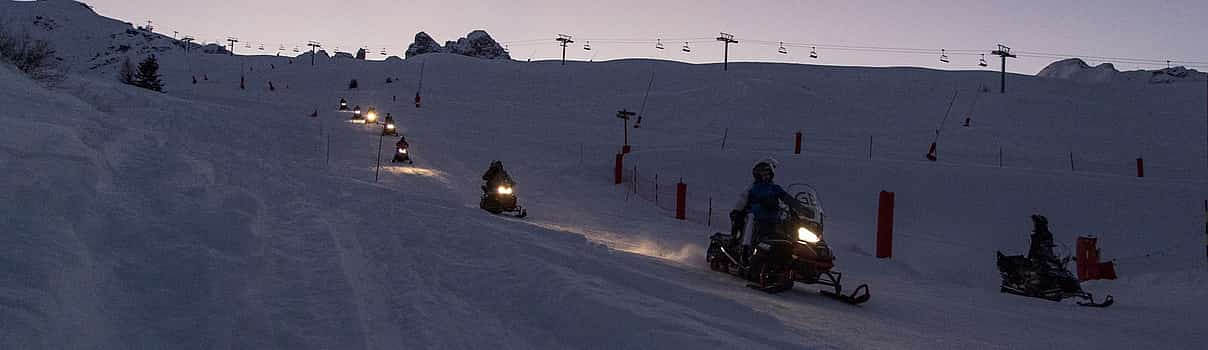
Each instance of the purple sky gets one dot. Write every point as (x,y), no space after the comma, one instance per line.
(1108,28)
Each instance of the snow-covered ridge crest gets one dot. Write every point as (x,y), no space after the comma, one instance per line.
(475,44)
(1078,70)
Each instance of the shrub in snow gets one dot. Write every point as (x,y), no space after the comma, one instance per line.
(35,57)
(126,73)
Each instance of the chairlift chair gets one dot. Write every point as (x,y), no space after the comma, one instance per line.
(982,61)
(247,45)
(296,49)
(658,44)
(813,52)
(782,49)
(943,55)
(587,46)
(261,47)
(383,51)
(686,48)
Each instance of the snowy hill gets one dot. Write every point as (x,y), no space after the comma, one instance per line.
(1077,70)
(220,217)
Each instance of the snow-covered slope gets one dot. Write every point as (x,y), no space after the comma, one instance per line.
(215,217)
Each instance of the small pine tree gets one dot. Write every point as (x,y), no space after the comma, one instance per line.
(126,75)
(147,76)
(352,84)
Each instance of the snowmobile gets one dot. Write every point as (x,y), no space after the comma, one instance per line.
(502,199)
(343,104)
(795,253)
(371,115)
(389,129)
(1041,274)
(402,154)
(357,117)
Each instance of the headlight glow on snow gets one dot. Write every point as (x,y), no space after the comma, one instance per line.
(504,190)
(807,236)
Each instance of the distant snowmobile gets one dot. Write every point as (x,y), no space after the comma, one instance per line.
(357,117)
(1041,274)
(502,199)
(343,104)
(389,129)
(402,152)
(796,252)
(371,115)
(499,192)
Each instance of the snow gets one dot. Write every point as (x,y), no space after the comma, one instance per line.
(209,217)
(1077,70)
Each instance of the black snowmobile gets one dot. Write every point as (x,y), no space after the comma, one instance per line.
(501,199)
(343,104)
(1041,274)
(389,129)
(357,117)
(796,252)
(402,154)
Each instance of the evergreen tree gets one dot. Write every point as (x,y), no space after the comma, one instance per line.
(148,75)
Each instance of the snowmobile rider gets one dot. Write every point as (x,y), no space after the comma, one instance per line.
(762,199)
(402,143)
(496,176)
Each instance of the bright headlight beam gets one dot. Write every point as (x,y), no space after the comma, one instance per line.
(807,236)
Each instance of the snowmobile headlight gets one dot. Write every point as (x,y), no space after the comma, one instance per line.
(402,151)
(503,190)
(807,236)
(390,126)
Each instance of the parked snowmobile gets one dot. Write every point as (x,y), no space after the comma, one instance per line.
(402,152)
(357,117)
(796,252)
(389,129)
(1041,274)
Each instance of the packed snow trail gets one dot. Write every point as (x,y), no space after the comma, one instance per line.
(209,218)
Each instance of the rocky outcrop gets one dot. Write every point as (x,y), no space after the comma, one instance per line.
(477,44)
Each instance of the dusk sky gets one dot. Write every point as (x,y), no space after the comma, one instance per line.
(1157,30)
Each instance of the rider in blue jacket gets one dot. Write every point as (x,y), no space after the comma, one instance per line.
(762,200)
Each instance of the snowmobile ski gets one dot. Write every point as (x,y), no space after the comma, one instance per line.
(857,297)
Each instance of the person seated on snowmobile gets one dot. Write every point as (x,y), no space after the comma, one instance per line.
(762,199)
(496,176)
(402,143)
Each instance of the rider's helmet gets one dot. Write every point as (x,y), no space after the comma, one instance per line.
(764,170)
